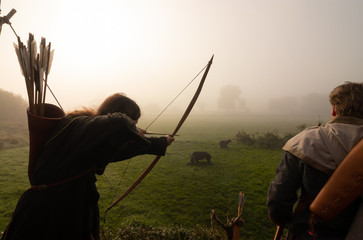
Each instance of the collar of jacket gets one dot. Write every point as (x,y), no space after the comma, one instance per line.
(325,147)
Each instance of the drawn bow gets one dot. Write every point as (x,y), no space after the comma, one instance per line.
(182,120)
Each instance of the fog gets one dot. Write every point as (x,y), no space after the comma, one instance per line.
(276,56)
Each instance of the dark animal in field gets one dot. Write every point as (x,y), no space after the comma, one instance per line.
(196,156)
(224,143)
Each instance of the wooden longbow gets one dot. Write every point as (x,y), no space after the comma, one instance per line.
(181,121)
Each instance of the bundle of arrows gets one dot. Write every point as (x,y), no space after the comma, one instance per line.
(35,68)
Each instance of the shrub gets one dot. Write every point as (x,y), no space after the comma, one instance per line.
(286,137)
(141,231)
(270,140)
(243,137)
(301,127)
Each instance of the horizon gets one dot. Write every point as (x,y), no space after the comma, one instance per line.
(274,52)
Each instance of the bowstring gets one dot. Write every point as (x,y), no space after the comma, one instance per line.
(128,162)
(176,97)
(53,94)
(115,189)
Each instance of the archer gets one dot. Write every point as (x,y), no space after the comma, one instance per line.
(62,202)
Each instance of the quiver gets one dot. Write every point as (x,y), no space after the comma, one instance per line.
(344,186)
(40,128)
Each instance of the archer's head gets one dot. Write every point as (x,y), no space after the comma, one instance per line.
(347,100)
(118,102)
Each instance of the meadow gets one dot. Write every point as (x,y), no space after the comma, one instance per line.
(177,193)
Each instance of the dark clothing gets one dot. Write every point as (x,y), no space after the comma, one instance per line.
(80,147)
(309,160)
(293,174)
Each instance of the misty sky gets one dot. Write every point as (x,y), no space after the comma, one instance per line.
(151,49)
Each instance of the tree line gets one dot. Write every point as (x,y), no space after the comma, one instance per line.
(12,107)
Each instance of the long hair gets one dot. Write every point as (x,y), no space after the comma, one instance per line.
(83,112)
(348,99)
(118,102)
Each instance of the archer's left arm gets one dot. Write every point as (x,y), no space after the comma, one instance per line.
(282,193)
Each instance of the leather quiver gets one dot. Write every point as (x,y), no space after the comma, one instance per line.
(343,187)
(40,128)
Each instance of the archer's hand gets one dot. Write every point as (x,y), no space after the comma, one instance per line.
(170,139)
(141,132)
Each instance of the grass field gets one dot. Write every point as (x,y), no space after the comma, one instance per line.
(176,192)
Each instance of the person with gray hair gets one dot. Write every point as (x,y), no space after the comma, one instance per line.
(309,159)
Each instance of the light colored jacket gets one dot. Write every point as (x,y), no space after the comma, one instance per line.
(324,148)
(334,141)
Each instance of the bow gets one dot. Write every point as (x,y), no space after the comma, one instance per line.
(181,121)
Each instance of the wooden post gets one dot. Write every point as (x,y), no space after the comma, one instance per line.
(237,224)
(233,226)
(236,232)
(279,232)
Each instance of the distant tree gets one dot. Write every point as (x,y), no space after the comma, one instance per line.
(229,98)
(12,107)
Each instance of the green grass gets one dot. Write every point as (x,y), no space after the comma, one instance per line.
(177,193)
(13,181)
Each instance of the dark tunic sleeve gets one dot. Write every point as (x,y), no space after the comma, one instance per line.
(282,193)
(154,146)
(294,176)
(80,143)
